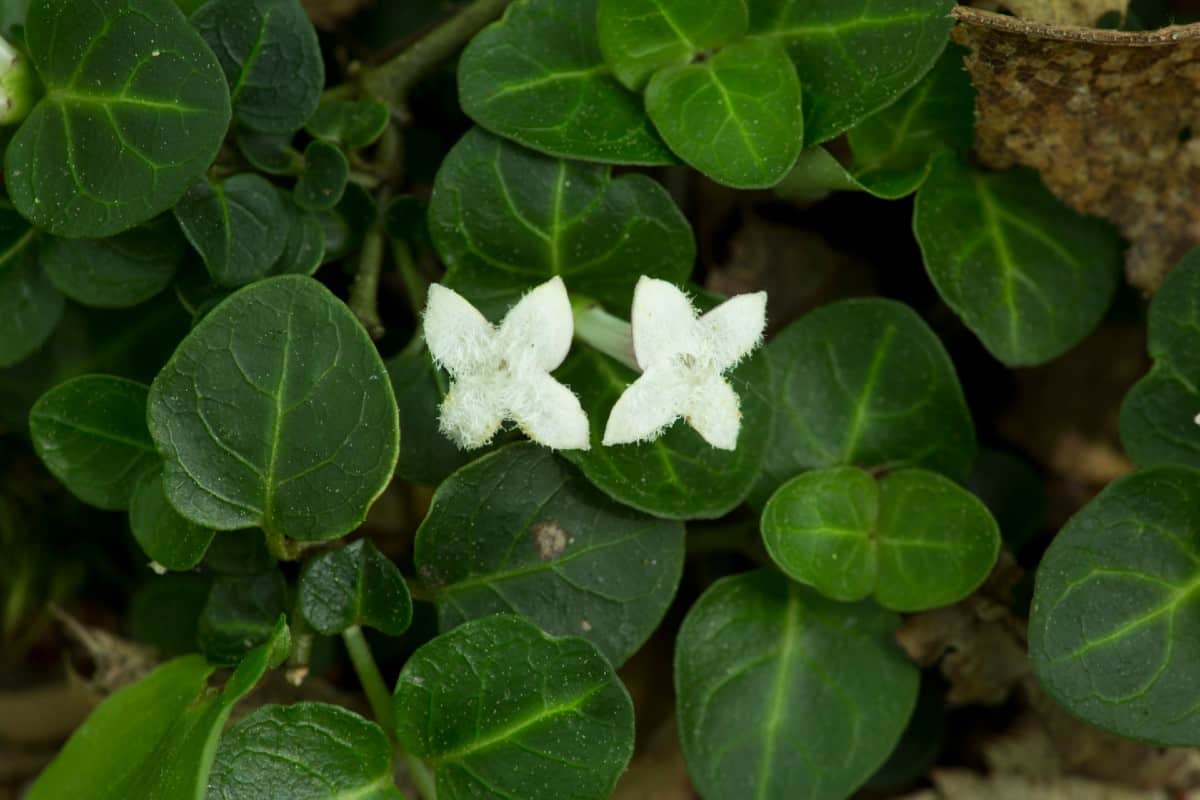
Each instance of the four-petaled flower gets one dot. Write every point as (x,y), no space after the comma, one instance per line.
(502,372)
(683,359)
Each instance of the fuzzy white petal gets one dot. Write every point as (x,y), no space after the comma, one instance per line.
(470,414)
(540,326)
(459,337)
(735,328)
(646,408)
(549,414)
(714,411)
(663,322)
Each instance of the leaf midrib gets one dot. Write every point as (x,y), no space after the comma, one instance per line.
(787,652)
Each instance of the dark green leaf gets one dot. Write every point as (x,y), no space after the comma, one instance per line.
(355,586)
(346,225)
(239,226)
(520,530)
(1158,416)
(1115,625)
(240,614)
(276,412)
(505,219)
(324,178)
(271,58)
(156,738)
(1014,492)
(167,538)
(426,455)
(912,539)
(639,37)
(166,610)
(305,247)
(306,751)
(91,434)
(353,123)
(500,709)
(271,153)
(537,77)
(784,694)
(854,57)
(239,553)
(135,109)
(1028,275)
(864,383)
(736,117)
(679,475)
(30,306)
(117,272)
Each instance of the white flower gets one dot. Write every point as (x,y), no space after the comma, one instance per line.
(683,359)
(502,372)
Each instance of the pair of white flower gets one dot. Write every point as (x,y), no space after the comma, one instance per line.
(503,372)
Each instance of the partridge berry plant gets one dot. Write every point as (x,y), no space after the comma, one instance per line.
(483,436)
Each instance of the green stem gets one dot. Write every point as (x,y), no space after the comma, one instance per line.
(364,292)
(415,285)
(610,335)
(392,81)
(370,678)
(281,547)
(422,776)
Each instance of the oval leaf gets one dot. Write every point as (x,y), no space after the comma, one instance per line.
(305,247)
(913,539)
(91,434)
(239,227)
(276,412)
(166,537)
(501,709)
(854,57)
(271,58)
(306,751)
(1115,622)
(505,219)
(118,272)
(678,475)
(353,123)
(1158,417)
(736,117)
(30,305)
(355,586)
(639,37)
(135,109)
(323,181)
(521,531)
(537,77)
(864,383)
(1028,275)
(785,694)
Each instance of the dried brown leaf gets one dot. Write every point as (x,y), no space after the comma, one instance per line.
(961,784)
(1105,116)
(1083,13)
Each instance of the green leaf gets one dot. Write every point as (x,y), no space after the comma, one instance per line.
(426,455)
(736,117)
(352,123)
(784,694)
(135,109)
(239,553)
(537,77)
(119,272)
(91,434)
(505,219)
(240,614)
(304,249)
(166,537)
(519,530)
(864,383)
(276,412)
(1014,491)
(500,709)
(323,181)
(1029,276)
(1158,416)
(30,305)
(854,57)
(306,751)
(355,585)
(166,609)
(347,224)
(156,738)
(679,475)
(239,226)
(912,539)
(639,37)
(1115,618)
(271,58)
(271,153)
